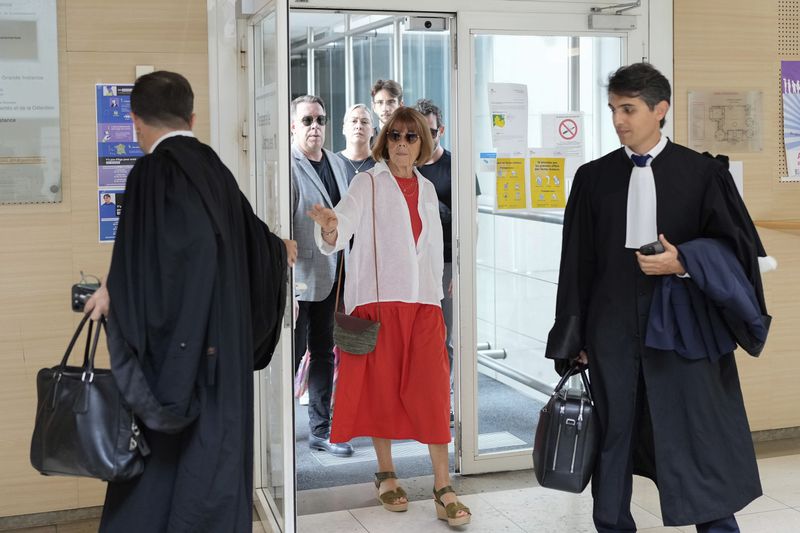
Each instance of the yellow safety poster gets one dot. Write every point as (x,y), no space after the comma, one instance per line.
(547,182)
(511,183)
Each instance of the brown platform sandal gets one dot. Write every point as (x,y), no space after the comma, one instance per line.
(450,512)
(389,499)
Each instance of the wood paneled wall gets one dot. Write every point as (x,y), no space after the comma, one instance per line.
(44,247)
(733,45)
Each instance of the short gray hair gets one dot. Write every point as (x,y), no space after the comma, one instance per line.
(306,99)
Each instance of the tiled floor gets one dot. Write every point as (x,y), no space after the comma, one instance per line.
(529,508)
(510,502)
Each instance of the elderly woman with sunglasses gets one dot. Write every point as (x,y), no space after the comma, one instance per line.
(401,390)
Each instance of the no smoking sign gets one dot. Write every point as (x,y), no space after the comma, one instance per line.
(568,129)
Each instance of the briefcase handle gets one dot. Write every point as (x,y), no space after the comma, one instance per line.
(89,351)
(573,370)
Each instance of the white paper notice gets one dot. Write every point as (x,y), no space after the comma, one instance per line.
(508,109)
(565,132)
(30,130)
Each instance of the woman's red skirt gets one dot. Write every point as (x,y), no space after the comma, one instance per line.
(401,390)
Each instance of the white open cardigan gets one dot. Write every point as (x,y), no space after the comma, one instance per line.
(406,273)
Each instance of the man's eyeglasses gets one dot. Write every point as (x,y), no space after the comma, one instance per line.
(434,132)
(390,101)
(395,136)
(309,120)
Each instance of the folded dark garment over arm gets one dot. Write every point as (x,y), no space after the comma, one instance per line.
(708,314)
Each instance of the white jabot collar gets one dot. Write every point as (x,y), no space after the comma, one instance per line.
(174,133)
(641,221)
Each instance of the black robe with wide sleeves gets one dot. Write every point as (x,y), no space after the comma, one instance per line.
(689,431)
(197,287)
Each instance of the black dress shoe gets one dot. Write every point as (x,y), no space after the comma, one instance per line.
(339,449)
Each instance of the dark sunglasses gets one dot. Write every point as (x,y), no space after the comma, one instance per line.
(434,132)
(395,136)
(308,120)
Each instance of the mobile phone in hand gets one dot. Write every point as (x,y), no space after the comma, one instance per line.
(652,248)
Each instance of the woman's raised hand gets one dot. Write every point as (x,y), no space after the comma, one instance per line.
(325,217)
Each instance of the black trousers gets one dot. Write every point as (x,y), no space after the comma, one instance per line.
(625,522)
(723,525)
(314,332)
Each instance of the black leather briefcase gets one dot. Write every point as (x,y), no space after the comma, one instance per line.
(566,441)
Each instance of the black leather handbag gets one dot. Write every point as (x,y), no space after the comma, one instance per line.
(566,441)
(352,334)
(83,426)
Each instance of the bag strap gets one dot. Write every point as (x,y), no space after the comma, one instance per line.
(573,370)
(375,256)
(91,346)
(72,342)
(88,368)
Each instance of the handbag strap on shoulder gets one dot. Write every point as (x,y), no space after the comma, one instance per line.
(374,255)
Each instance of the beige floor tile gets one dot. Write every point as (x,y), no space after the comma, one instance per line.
(335,522)
(421,518)
(779,479)
(762,505)
(645,495)
(784,521)
(543,510)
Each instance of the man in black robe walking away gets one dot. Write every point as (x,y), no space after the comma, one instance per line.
(676,419)
(194,299)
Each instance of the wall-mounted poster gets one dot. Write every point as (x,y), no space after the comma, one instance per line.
(30,130)
(117,152)
(117,149)
(722,122)
(109,208)
(790,77)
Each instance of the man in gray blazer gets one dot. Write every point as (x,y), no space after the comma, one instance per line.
(318,177)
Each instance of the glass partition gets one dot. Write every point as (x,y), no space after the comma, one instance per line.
(518,252)
(271,392)
(339,56)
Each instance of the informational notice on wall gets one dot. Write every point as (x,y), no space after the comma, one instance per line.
(790,78)
(511,191)
(721,122)
(117,151)
(564,131)
(30,132)
(548,186)
(508,109)
(110,208)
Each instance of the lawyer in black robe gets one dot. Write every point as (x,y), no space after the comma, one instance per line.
(680,422)
(197,287)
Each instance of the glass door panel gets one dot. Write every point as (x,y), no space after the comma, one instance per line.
(275,480)
(518,252)
(508,285)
